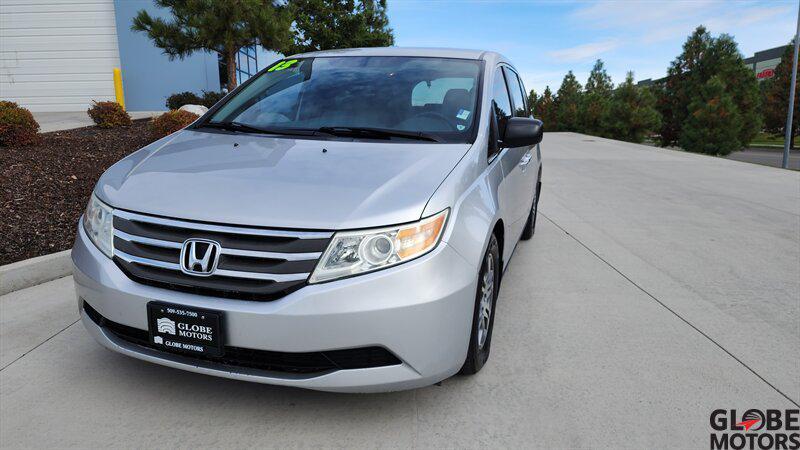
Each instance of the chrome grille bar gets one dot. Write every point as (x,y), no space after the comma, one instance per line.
(222,228)
(225,251)
(146,261)
(271,255)
(146,240)
(278,278)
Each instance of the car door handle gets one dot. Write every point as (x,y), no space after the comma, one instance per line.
(526,159)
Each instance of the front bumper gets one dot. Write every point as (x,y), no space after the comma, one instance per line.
(421,311)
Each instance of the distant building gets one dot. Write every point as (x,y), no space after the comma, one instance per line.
(763,64)
(60,55)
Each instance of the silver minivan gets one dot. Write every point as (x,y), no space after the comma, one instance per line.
(340,222)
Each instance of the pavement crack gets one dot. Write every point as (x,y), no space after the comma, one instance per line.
(709,338)
(39,345)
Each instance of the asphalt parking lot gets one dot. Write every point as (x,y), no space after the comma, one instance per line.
(659,286)
(767,157)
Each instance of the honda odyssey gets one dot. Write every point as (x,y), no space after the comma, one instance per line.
(339,222)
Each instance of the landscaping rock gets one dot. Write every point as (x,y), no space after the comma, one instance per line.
(194,109)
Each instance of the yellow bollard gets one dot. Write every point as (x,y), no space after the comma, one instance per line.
(118,87)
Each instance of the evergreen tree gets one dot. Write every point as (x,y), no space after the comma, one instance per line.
(219,26)
(679,86)
(776,97)
(567,103)
(595,106)
(713,122)
(332,24)
(545,110)
(532,99)
(633,115)
(740,83)
(704,57)
(599,80)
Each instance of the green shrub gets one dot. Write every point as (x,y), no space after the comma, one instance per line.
(210,98)
(17,126)
(175,101)
(170,122)
(109,115)
(5,104)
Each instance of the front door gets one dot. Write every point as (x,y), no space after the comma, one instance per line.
(525,173)
(515,200)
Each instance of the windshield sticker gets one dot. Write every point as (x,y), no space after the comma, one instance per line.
(462,114)
(460,127)
(282,65)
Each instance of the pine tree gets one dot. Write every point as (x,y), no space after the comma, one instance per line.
(713,121)
(332,24)
(740,83)
(568,103)
(219,26)
(704,57)
(633,115)
(545,110)
(595,106)
(599,80)
(680,84)
(776,97)
(532,99)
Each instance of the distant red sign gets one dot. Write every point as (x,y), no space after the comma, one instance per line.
(766,73)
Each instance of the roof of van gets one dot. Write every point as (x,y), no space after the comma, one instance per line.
(401,51)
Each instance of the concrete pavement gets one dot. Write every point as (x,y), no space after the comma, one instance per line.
(659,286)
(717,241)
(57,121)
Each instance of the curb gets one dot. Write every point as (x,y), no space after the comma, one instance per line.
(30,272)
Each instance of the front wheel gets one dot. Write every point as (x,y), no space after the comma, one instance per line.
(483,315)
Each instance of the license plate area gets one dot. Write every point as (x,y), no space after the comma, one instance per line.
(185,329)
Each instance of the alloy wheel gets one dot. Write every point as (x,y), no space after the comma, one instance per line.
(487,297)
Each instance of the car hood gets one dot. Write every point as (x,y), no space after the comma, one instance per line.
(278,182)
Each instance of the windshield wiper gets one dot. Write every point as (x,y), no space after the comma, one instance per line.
(379,133)
(245,128)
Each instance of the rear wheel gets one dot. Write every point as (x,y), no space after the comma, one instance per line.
(483,315)
(530,225)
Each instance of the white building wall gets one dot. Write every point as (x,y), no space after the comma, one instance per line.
(57,55)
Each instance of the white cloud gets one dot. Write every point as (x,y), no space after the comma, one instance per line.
(643,14)
(584,52)
(648,22)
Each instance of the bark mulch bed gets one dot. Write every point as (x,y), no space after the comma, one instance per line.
(44,188)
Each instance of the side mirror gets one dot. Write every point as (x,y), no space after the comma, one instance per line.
(523,131)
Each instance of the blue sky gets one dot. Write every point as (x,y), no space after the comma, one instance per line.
(544,39)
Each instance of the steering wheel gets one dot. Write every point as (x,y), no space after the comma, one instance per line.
(438,117)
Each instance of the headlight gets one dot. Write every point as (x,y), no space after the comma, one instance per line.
(354,252)
(98,222)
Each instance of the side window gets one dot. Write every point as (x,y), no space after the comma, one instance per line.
(501,102)
(520,109)
(528,108)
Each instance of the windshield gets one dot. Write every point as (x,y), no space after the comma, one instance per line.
(431,96)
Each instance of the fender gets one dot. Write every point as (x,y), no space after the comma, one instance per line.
(471,189)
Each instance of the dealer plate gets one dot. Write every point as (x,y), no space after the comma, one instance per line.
(184,329)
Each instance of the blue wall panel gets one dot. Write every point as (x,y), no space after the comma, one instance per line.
(148,75)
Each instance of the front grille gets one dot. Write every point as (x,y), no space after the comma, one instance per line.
(302,363)
(255,263)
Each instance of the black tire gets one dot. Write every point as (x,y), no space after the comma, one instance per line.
(530,225)
(478,352)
